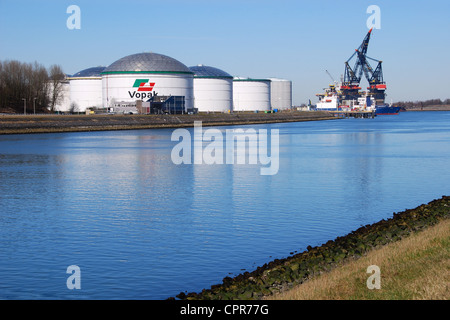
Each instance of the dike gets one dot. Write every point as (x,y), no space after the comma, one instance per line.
(282,274)
(23,124)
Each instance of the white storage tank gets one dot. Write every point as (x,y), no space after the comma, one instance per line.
(281,94)
(141,76)
(63,103)
(86,89)
(251,94)
(213,89)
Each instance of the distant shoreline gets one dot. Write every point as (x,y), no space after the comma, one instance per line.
(26,124)
(53,123)
(430,108)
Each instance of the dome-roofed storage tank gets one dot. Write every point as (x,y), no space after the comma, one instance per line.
(86,89)
(213,89)
(251,94)
(63,103)
(138,77)
(280,94)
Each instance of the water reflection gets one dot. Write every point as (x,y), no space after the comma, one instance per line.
(141,227)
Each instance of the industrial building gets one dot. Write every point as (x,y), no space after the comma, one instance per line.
(63,103)
(213,89)
(142,77)
(86,89)
(251,94)
(155,83)
(280,94)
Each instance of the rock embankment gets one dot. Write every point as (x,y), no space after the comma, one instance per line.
(18,124)
(283,274)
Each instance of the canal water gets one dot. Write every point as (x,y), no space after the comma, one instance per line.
(140,227)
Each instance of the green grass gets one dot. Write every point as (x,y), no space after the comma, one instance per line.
(416,267)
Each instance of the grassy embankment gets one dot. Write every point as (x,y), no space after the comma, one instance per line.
(411,249)
(417,267)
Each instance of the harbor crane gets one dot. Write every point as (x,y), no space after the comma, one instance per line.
(352,76)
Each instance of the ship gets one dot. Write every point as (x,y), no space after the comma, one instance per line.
(328,100)
(347,95)
(333,100)
(386,110)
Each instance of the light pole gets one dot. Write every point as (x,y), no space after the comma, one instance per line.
(34,105)
(24,106)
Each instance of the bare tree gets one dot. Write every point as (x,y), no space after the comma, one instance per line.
(2,86)
(56,80)
(13,84)
(73,107)
(20,81)
(39,86)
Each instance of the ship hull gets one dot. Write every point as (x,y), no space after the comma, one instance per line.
(326,109)
(386,110)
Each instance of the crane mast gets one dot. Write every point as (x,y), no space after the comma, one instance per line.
(352,76)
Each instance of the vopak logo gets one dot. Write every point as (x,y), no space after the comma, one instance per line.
(144,89)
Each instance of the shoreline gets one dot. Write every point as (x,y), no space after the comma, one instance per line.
(425,109)
(414,268)
(26,124)
(280,275)
(55,123)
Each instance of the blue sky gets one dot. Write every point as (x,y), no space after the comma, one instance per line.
(295,40)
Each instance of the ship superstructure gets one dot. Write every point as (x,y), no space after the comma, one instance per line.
(347,93)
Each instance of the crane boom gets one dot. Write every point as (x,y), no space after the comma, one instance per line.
(331,76)
(352,76)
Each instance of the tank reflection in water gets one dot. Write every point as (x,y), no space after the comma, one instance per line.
(141,227)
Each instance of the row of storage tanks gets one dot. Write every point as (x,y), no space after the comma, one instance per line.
(208,89)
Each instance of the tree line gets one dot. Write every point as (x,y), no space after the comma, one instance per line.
(30,85)
(424,104)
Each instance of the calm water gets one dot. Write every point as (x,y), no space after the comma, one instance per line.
(140,227)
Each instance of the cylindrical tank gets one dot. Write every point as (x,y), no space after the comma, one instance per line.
(141,76)
(251,94)
(63,103)
(86,89)
(213,89)
(281,94)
